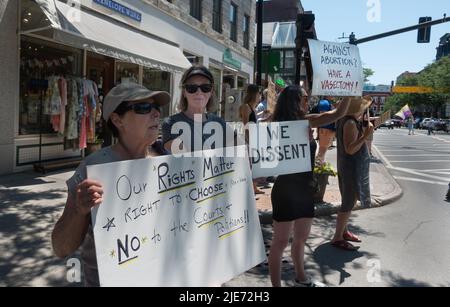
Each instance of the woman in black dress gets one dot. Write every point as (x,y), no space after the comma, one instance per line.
(292,195)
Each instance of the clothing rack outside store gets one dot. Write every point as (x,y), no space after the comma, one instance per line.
(52,165)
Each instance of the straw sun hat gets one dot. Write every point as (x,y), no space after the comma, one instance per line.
(359,104)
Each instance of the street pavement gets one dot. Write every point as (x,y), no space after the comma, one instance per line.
(404,244)
(408,242)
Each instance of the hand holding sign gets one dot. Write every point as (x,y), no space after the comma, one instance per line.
(89,194)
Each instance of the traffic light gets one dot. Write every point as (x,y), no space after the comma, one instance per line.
(305,30)
(423,36)
(304,25)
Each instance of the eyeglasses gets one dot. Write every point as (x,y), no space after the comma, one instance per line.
(142,108)
(193,88)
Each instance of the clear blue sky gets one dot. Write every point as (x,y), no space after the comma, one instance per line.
(390,56)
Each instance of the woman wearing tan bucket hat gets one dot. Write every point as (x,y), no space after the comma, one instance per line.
(132,113)
(353,162)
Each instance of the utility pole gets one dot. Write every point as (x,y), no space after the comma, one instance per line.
(259,40)
(355,41)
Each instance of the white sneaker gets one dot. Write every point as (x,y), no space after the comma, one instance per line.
(309,283)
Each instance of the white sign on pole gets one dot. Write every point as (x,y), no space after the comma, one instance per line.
(337,69)
(171,221)
(279,148)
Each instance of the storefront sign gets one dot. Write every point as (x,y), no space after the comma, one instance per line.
(337,69)
(112,5)
(228,59)
(171,221)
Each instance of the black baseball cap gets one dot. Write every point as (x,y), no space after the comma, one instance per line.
(197,70)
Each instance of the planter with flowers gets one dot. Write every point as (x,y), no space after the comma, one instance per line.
(321,173)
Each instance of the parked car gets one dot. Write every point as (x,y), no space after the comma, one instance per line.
(397,122)
(440,125)
(424,123)
(388,124)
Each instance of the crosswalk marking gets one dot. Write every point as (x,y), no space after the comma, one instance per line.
(417,155)
(426,161)
(419,173)
(396,149)
(420,180)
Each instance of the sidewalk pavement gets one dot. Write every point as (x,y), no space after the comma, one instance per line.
(384,190)
(31,203)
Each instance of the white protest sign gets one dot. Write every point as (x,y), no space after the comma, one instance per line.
(337,69)
(170,221)
(279,148)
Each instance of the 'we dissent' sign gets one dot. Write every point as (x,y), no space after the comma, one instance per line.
(337,69)
(279,148)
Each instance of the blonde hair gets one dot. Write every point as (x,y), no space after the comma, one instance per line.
(183,104)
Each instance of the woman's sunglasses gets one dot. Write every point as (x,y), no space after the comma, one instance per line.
(142,108)
(193,88)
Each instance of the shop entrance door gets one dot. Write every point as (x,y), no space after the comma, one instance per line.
(100,69)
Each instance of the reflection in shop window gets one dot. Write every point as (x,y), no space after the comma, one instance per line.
(40,63)
(127,72)
(157,80)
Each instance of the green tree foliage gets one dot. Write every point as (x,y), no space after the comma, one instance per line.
(436,76)
(367,74)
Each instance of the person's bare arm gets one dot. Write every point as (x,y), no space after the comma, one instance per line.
(244,112)
(71,228)
(326,118)
(353,143)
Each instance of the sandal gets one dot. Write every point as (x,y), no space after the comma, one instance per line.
(258,191)
(349,236)
(342,244)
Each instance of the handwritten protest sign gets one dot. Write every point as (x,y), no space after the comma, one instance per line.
(279,148)
(170,221)
(384,117)
(337,69)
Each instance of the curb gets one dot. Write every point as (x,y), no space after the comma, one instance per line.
(397,193)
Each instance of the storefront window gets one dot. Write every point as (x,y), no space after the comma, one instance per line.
(32,16)
(241,82)
(217,83)
(127,72)
(157,80)
(289,59)
(40,62)
(194,59)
